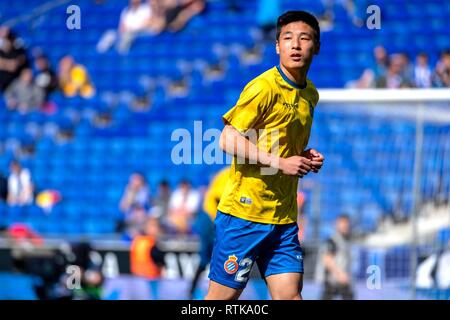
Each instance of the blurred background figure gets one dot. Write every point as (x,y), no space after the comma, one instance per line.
(134,223)
(20,185)
(337,261)
(74,79)
(422,71)
(3,187)
(355,10)
(45,77)
(13,57)
(441,77)
(160,202)
(137,192)
(180,12)
(408,68)
(374,72)
(397,74)
(134,204)
(183,205)
(133,20)
(146,259)
(204,225)
(139,18)
(91,275)
(157,21)
(23,94)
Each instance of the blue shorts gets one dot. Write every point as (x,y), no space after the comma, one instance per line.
(239,243)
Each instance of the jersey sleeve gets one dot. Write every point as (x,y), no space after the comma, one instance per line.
(214,192)
(330,247)
(315,97)
(313,94)
(249,109)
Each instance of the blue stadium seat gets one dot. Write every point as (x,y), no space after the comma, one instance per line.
(94,167)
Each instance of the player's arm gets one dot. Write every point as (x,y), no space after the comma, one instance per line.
(329,262)
(330,265)
(236,144)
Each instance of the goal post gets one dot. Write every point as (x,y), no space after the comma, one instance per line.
(387,153)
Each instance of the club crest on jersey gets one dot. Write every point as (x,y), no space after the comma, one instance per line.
(231,265)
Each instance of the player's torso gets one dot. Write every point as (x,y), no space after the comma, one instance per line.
(284,129)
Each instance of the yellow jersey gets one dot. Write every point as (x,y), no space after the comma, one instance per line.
(215,191)
(281,114)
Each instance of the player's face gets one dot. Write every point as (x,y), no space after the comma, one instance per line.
(297,45)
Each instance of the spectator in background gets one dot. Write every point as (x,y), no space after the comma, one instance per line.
(422,71)
(3,187)
(136,192)
(135,220)
(356,11)
(157,21)
(204,223)
(184,203)
(381,65)
(441,76)
(146,259)
(45,77)
(13,58)
(377,71)
(408,68)
(160,203)
(74,79)
(336,262)
(20,186)
(136,19)
(23,94)
(180,12)
(91,276)
(396,75)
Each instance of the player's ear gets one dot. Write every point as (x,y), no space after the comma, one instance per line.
(277,47)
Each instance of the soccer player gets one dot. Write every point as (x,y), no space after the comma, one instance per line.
(257,213)
(204,223)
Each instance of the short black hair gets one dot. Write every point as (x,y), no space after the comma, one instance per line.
(294,16)
(343,216)
(14,162)
(164,183)
(422,54)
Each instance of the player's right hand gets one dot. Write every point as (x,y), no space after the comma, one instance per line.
(295,166)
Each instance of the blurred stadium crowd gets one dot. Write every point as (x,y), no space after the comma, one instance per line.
(85,147)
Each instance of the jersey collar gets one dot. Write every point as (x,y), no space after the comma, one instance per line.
(292,83)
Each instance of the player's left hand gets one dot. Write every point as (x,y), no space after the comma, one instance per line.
(316,158)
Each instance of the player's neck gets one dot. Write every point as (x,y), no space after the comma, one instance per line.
(296,75)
